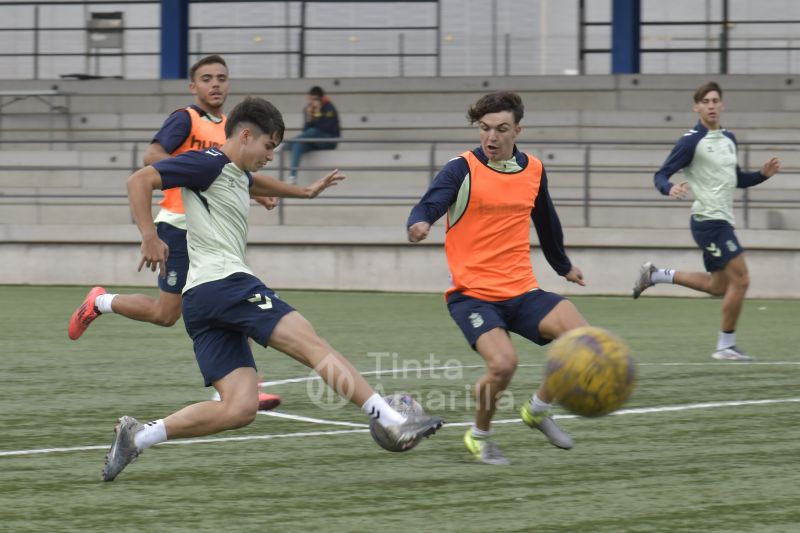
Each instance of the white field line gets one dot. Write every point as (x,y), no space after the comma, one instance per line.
(393,370)
(313,420)
(662,409)
(410,370)
(622,412)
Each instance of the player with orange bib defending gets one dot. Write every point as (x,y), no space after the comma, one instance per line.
(490,195)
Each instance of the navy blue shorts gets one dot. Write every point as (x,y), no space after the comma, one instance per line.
(178,260)
(520,314)
(221,315)
(718,242)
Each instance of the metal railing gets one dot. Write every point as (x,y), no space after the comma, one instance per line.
(296,47)
(585,189)
(719,38)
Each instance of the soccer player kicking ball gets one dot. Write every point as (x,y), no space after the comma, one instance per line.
(707,156)
(224,303)
(490,195)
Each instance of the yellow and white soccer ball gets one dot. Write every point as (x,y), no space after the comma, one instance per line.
(590,371)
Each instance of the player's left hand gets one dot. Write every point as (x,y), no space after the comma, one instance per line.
(418,231)
(575,276)
(331,180)
(680,190)
(270,202)
(771,167)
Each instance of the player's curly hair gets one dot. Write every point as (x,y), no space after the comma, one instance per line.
(706,88)
(496,102)
(255,112)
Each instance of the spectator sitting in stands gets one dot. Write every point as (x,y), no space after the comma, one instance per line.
(320,120)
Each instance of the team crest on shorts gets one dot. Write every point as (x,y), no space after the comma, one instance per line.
(476,320)
(172,278)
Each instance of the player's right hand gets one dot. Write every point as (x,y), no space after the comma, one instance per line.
(154,255)
(313,190)
(575,276)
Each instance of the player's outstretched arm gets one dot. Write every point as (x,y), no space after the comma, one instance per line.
(140,197)
(268,186)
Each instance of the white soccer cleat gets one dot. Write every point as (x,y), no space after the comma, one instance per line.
(731,353)
(123,450)
(404,436)
(644,280)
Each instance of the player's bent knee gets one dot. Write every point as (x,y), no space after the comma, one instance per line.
(241,416)
(742,282)
(166,321)
(717,290)
(167,310)
(502,368)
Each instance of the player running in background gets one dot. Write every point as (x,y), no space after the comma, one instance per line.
(707,156)
(490,195)
(224,303)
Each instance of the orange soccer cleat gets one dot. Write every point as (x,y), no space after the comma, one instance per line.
(85,314)
(268,402)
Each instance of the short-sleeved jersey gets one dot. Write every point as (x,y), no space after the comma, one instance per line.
(186,129)
(709,162)
(489,210)
(216,195)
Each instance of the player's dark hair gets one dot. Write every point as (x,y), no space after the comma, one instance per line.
(258,113)
(317,91)
(495,103)
(706,88)
(208,60)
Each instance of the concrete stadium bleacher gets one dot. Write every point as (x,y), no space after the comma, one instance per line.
(62,192)
(602,105)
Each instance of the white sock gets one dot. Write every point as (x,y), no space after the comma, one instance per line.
(537,405)
(663,275)
(481,433)
(103,303)
(153,433)
(377,408)
(726,340)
